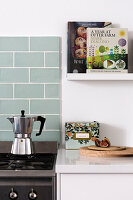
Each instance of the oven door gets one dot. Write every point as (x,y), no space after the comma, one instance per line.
(27,188)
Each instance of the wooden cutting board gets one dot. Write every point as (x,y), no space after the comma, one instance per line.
(111,148)
(117,153)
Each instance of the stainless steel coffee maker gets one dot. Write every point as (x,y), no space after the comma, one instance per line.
(22,127)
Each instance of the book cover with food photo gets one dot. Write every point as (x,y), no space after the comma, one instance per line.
(77,37)
(107,50)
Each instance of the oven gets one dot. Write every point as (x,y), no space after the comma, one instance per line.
(27,188)
(28,177)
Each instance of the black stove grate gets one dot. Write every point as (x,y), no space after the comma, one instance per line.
(26,162)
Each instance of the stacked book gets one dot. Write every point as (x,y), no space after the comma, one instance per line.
(96,47)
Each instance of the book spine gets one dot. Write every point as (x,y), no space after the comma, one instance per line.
(90,51)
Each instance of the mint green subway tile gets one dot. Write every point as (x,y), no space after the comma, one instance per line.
(53,122)
(5,124)
(47,136)
(14,44)
(29,59)
(6,135)
(50,43)
(45,106)
(6,59)
(52,59)
(6,91)
(13,75)
(28,91)
(52,90)
(45,75)
(13,106)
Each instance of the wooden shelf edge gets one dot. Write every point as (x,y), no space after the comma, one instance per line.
(100,76)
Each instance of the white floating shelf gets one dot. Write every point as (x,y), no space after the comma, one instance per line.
(95,76)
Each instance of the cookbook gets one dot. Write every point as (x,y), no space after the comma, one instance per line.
(107,50)
(77,36)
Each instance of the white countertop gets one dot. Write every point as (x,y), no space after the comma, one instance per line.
(70,161)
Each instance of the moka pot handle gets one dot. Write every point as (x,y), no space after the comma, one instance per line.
(42,120)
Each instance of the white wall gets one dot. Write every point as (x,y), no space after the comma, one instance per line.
(109,102)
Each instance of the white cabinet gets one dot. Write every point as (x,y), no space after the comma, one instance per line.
(87,178)
(96,186)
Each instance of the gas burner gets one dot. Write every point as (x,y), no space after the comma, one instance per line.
(17,164)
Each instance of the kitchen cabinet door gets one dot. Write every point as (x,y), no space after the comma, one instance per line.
(96,186)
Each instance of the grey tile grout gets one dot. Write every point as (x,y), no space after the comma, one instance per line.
(2,67)
(27,98)
(31,83)
(34,130)
(12,91)
(27,51)
(44,90)
(13,59)
(44,56)
(29,114)
(29,106)
(29,75)
(29,43)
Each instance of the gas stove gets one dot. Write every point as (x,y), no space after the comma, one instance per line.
(36,161)
(28,176)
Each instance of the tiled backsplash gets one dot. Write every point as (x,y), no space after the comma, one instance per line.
(30,80)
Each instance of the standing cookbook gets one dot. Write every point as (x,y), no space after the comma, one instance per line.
(107,50)
(77,51)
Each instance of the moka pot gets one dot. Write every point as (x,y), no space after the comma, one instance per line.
(22,128)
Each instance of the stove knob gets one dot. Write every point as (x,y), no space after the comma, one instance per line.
(32,194)
(13,195)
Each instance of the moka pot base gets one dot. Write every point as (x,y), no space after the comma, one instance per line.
(22,146)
